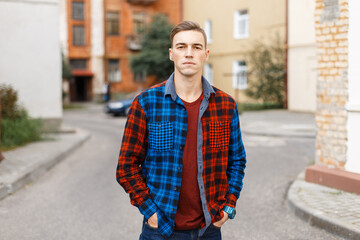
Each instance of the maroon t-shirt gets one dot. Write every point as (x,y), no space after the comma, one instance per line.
(189,214)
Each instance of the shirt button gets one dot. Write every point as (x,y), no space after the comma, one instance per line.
(183,109)
(178,168)
(175,188)
(181,147)
(159,126)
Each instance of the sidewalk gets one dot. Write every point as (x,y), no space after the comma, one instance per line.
(25,164)
(334,210)
(278,123)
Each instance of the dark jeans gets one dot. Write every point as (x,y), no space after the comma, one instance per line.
(211,233)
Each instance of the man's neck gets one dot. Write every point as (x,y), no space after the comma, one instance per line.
(188,88)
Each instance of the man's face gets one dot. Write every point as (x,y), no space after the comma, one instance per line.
(188,52)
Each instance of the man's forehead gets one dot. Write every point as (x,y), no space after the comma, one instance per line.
(189,37)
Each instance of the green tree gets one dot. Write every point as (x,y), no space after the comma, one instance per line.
(154,56)
(66,69)
(267,71)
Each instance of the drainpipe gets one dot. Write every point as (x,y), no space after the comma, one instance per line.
(181,11)
(286,54)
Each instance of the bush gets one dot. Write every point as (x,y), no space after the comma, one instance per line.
(19,131)
(17,128)
(9,107)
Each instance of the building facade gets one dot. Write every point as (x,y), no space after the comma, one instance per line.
(302,58)
(99,36)
(30,59)
(232,30)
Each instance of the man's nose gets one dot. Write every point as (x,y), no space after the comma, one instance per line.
(189,52)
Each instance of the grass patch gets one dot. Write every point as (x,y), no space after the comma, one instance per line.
(19,131)
(72,106)
(243,107)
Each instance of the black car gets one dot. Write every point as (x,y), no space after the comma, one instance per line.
(120,107)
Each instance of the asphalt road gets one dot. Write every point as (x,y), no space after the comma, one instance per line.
(80,199)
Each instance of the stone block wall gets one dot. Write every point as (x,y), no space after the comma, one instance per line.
(331,25)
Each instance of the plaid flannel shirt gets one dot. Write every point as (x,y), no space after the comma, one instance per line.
(150,160)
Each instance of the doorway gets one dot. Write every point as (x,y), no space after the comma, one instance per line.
(80,89)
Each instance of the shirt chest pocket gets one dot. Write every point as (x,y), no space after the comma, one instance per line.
(161,136)
(219,134)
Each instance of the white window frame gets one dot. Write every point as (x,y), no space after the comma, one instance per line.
(114,71)
(208,30)
(241,24)
(239,75)
(209,73)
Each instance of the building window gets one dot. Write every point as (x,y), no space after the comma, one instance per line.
(114,73)
(208,73)
(78,35)
(78,63)
(78,10)
(112,23)
(139,21)
(208,31)
(241,24)
(239,75)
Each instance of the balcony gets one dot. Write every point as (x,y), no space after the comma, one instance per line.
(143,2)
(133,42)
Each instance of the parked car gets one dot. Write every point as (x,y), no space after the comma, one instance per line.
(120,107)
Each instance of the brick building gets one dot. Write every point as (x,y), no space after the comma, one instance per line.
(99,36)
(338,99)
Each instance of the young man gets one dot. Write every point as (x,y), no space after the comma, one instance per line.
(182,159)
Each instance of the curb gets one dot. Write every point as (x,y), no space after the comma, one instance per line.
(33,172)
(316,218)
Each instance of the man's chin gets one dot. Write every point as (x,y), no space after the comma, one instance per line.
(188,73)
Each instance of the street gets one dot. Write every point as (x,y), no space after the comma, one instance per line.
(80,199)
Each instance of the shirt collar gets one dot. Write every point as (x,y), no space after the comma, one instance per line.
(170,88)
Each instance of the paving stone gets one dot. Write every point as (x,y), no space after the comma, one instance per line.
(331,209)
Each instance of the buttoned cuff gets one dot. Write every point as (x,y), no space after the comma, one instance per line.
(148,208)
(231,200)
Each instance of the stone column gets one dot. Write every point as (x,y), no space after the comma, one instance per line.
(338,98)
(332,23)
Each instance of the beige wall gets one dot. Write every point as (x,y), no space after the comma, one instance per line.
(302,64)
(266,18)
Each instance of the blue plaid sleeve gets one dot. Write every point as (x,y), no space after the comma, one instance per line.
(236,162)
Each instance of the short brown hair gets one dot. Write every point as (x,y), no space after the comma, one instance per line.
(187,26)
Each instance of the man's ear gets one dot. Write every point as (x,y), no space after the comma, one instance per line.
(207,53)
(170,54)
